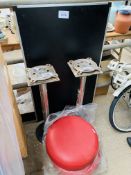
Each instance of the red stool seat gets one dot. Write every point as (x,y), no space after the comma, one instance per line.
(72,143)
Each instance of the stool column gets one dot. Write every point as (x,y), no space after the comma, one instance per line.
(82,68)
(44,99)
(81,91)
(42,75)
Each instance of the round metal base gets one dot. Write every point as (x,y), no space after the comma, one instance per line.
(40,131)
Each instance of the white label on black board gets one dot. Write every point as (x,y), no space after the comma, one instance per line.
(63,14)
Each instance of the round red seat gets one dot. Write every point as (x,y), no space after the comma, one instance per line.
(72,143)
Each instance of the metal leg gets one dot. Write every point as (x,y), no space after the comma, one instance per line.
(81,91)
(44,99)
(120,53)
(45,110)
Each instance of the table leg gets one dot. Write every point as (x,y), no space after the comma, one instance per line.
(120,53)
(44,99)
(81,91)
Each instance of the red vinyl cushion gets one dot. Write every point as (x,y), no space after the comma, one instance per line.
(72,143)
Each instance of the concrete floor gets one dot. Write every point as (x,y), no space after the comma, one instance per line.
(34,162)
(115,148)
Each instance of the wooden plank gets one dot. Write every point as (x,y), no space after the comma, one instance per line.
(12,38)
(17,118)
(117,36)
(10,47)
(4,40)
(12,43)
(13,57)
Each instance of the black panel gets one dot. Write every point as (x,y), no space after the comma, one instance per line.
(28,117)
(48,39)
